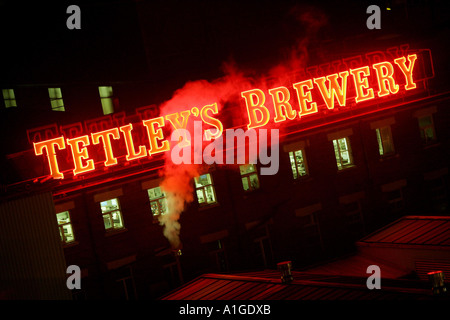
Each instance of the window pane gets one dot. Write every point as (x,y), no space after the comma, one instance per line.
(107,221)
(210,197)
(205,189)
(425,121)
(380,142)
(112,217)
(155,193)
(117,220)
(107,106)
(245,183)
(6,94)
(55,93)
(155,208)
(254,181)
(63,217)
(293,166)
(9,98)
(105,92)
(301,168)
(429,134)
(158,201)
(342,153)
(345,156)
(337,154)
(203,180)
(247,168)
(68,233)
(384,138)
(343,144)
(109,205)
(51,93)
(200,197)
(56,99)
(163,208)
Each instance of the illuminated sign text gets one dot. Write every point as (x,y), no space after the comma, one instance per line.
(271,106)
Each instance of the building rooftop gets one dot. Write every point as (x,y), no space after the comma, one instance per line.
(403,273)
(413,230)
(266,285)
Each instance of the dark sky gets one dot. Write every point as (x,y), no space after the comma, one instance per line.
(189,38)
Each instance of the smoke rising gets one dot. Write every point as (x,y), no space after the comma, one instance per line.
(178,179)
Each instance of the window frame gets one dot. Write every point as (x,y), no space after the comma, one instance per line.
(339,151)
(110,213)
(10,102)
(61,228)
(203,187)
(382,143)
(247,176)
(423,129)
(295,164)
(106,100)
(55,95)
(157,201)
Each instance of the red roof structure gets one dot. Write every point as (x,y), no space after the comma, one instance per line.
(267,285)
(405,251)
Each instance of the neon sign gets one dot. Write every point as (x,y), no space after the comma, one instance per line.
(330,89)
(380,79)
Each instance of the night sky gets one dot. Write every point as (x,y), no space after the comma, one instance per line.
(177,41)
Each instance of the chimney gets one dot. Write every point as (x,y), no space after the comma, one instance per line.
(177,254)
(285,269)
(437,282)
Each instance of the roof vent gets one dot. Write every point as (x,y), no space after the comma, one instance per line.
(437,282)
(285,269)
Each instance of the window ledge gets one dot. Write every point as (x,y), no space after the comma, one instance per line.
(208,206)
(347,168)
(115,231)
(431,145)
(389,157)
(156,219)
(306,178)
(248,193)
(69,244)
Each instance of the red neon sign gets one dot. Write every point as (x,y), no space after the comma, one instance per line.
(291,104)
(332,87)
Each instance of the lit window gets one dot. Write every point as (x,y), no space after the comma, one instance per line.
(249,177)
(385,143)
(106,97)
(205,190)
(112,217)
(56,99)
(298,163)
(65,227)
(158,201)
(427,132)
(9,98)
(343,153)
